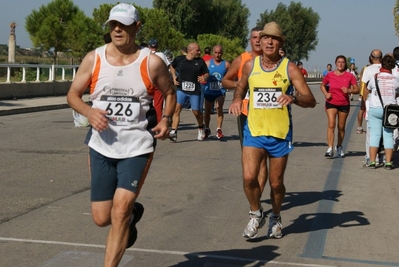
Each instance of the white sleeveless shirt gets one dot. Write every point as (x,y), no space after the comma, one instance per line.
(126,93)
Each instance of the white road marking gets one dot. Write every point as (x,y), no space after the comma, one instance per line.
(170,252)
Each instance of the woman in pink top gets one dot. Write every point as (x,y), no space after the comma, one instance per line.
(342,84)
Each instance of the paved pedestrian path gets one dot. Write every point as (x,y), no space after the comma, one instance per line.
(18,106)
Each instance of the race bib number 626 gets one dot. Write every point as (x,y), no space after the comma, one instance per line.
(122,110)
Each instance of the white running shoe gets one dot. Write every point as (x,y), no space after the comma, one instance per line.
(340,151)
(329,153)
(173,135)
(201,134)
(255,223)
(275,228)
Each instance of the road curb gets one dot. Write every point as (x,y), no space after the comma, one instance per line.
(16,111)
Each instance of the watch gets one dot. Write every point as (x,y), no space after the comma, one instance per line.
(169,119)
(294,99)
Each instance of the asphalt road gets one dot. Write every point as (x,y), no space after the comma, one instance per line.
(336,213)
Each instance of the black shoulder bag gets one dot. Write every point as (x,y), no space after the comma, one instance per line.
(390,117)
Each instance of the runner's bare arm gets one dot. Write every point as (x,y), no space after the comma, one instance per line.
(241,89)
(160,76)
(229,80)
(305,97)
(79,85)
(174,76)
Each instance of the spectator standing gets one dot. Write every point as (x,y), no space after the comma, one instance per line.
(368,74)
(388,86)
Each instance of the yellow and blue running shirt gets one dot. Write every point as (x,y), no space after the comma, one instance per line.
(266,117)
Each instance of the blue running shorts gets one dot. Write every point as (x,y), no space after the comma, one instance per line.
(108,174)
(276,147)
(212,98)
(194,99)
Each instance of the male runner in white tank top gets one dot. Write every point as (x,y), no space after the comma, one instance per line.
(122,78)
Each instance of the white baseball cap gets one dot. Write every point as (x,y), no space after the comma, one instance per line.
(124,13)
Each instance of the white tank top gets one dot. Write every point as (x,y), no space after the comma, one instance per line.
(126,92)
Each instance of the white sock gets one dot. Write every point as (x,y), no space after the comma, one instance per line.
(257,213)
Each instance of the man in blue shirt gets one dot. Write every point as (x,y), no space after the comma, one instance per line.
(329,67)
(214,91)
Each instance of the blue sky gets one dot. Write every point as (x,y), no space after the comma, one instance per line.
(351,28)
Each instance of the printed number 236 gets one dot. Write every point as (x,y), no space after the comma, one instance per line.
(265,97)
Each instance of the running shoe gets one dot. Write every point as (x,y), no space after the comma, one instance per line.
(173,135)
(207,132)
(329,153)
(138,211)
(360,131)
(255,223)
(275,228)
(365,161)
(388,166)
(201,134)
(219,133)
(371,165)
(379,164)
(340,152)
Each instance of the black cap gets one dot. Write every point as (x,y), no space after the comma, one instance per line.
(153,43)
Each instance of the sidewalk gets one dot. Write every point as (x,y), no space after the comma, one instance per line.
(19,106)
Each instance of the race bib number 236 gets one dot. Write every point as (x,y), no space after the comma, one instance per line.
(265,98)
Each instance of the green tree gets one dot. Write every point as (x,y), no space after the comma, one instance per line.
(187,16)
(228,18)
(101,14)
(299,25)
(156,24)
(396,17)
(85,35)
(48,26)
(231,48)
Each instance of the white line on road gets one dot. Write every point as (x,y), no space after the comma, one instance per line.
(180,253)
